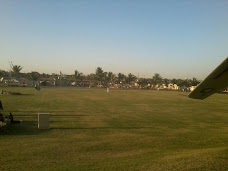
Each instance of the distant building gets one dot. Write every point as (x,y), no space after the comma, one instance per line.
(192,88)
(173,87)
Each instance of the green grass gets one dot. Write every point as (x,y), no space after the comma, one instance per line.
(91,129)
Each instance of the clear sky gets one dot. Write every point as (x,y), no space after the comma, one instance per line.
(176,38)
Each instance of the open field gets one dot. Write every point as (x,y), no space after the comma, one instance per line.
(91,129)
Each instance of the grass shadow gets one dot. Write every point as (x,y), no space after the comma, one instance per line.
(18,94)
(24,128)
(26,95)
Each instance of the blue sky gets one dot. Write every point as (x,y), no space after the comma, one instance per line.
(176,38)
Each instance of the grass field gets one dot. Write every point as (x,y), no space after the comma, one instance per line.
(91,129)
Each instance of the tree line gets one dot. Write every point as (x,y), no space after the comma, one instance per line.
(102,77)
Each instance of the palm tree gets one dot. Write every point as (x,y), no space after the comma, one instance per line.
(16,70)
(34,76)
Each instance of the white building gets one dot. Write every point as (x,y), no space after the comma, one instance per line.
(173,87)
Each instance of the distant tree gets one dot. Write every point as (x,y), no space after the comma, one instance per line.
(130,78)
(179,82)
(104,79)
(142,82)
(184,82)
(157,79)
(91,77)
(77,76)
(166,81)
(83,77)
(45,75)
(174,81)
(99,74)
(34,76)
(3,73)
(111,77)
(121,78)
(16,70)
(194,81)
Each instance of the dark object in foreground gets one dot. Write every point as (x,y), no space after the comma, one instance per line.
(4,121)
(12,120)
(1,107)
(213,83)
(1,118)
